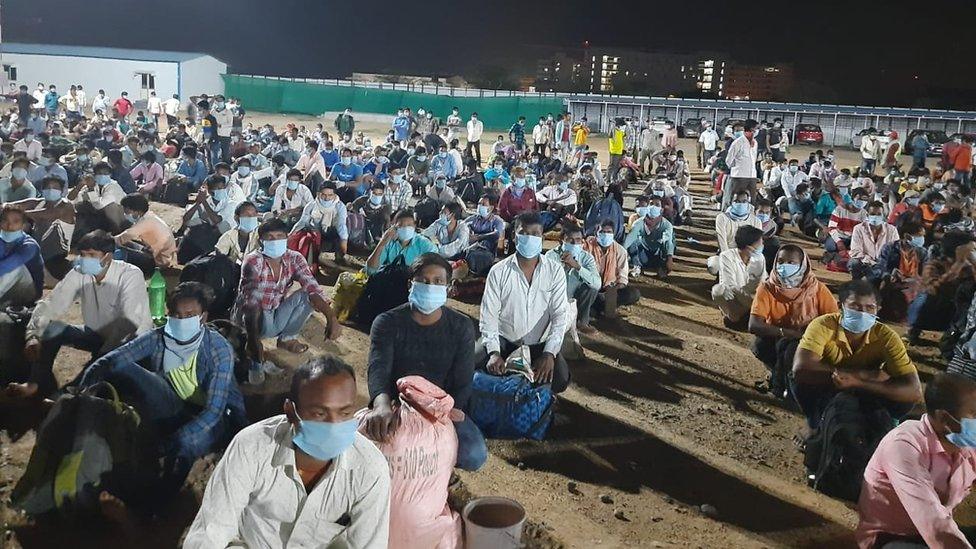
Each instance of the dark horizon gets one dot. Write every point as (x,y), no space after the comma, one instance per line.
(878,54)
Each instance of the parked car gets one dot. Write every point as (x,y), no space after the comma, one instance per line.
(808,134)
(659,123)
(937,138)
(691,128)
(884,137)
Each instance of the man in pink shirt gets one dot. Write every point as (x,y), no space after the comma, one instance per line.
(868,239)
(147,174)
(149,242)
(921,471)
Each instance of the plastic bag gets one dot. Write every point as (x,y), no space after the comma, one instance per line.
(347,291)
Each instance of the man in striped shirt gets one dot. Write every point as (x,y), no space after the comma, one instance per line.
(845,217)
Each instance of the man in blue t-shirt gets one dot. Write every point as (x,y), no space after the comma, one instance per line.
(21,266)
(348,173)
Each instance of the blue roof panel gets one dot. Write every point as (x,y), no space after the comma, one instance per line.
(99,52)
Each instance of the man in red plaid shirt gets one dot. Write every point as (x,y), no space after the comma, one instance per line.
(264,305)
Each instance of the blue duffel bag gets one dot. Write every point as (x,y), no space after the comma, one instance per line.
(509,406)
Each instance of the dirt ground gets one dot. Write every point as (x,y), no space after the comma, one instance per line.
(662,418)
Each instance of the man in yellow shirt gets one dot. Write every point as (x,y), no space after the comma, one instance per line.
(850,351)
(616,148)
(580,133)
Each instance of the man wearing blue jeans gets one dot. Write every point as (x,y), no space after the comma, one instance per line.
(425,338)
(264,306)
(180,378)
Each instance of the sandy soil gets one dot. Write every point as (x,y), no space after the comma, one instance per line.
(661,417)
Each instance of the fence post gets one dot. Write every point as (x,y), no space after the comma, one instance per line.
(959,127)
(715,123)
(796,121)
(640,118)
(677,116)
(603,117)
(833,138)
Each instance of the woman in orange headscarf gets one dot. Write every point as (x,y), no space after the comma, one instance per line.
(783,307)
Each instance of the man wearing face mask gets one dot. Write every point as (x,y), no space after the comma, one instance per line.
(147,230)
(241,241)
(850,351)
(323,223)
(30,144)
(740,271)
(849,214)
(312,166)
(475,128)
(17,187)
(942,275)
(47,165)
(525,303)
(424,337)
(114,307)
(210,215)
(97,201)
(291,198)
(650,242)
(921,471)
(264,305)
(741,159)
(868,239)
(517,198)
(582,276)
(326,483)
(612,263)
(442,163)
(180,379)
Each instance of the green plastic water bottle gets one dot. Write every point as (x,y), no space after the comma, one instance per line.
(157,298)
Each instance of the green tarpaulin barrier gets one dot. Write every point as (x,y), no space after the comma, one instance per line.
(283,96)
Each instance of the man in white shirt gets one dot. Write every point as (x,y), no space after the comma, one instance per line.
(303,479)
(39,94)
(100,103)
(225,124)
(741,159)
(562,135)
(525,302)
(740,270)
(98,200)
(709,142)
(155,107)
(114,306)
(541,137)
(475,129)
(210,216)
(82,98)
(29,144)
(870,151)
(171,107)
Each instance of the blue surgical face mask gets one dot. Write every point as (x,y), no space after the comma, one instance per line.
(757,253)
(247,224)
(183,329)
(604,239)
(763,217)
(918,241)
(528,246)
(737,134)
(790,274)
(876,220)
(406,234)
(376,199)
(937,207)
(20,173)
(642,210)
(421,157)
(274,248)
(573,249)
(484,211)
(966,437)
(219,195)
(346,160)
(859,204)
(427,298)
(739,209)
(52,195)
(130,218)
(563,185)
(243,171)
(327,203)
(519,182)
(103,179)
(325,441)
(444,219)
(657,192)
(654,211)
(440,183)
(11,236)
(912,201)
(292,185)
(89,265)
(857,322)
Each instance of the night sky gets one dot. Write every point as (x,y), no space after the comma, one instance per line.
(880,52)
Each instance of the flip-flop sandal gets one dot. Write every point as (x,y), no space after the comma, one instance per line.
(800,443)
(293,346)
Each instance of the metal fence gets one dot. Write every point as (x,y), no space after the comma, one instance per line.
(435,89)
(839,123)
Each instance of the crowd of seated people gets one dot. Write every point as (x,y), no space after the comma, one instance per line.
(80,214)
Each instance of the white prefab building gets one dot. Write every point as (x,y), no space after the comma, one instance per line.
(113,69)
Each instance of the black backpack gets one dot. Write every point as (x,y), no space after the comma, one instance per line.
(384,290)
(221,274)
(85,445)
(837,453)
(427,211)
(176,192)
(471,188)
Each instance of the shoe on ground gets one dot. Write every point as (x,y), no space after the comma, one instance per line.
(635,272)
